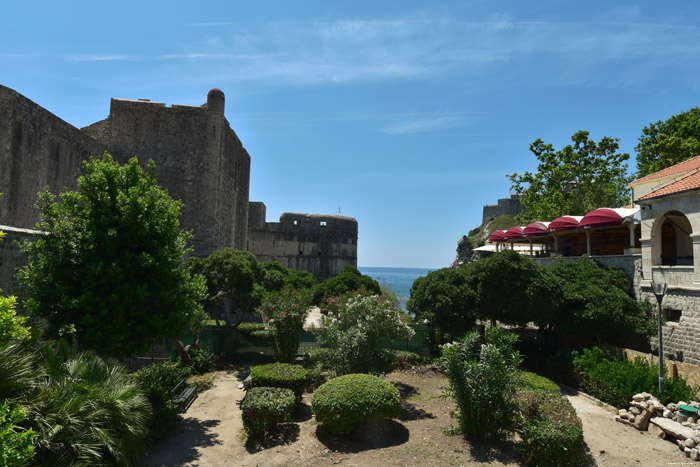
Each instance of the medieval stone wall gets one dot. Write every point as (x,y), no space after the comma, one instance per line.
(510,206)
(37,149)
(321,244)
(11,259)
(199,160)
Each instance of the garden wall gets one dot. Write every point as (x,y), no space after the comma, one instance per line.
(11,258)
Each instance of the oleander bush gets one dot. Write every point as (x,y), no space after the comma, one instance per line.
(482,383)
(614,379)
(264,408)
(358,326)
(280,375)
(551,432)
(343,402)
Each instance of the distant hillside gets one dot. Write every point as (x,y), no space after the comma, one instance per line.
(478,236)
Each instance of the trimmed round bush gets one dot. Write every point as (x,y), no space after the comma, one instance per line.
(345,401)
(280,375)
(265,408)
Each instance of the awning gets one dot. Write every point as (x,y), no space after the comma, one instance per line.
(536,229)
(497,236)
(564,223)
(514,233)
(606,217)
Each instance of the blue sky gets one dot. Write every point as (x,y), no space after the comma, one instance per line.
(405,115)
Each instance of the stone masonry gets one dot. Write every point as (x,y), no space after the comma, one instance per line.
(321,244)
(199,160)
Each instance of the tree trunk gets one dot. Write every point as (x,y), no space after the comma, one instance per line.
(182,351)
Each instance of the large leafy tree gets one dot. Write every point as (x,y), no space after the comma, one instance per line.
(446,299)
(110,264)
(232,275)
(513,290)
(576,179)
(597,303)
(666,143)
(349,279)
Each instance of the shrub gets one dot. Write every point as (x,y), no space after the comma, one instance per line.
(202,360)
(533,382)
(357,326)
(284,314)
(343,402)
(553,435)
(264,408)
(482,382)
(254,329)
(348,280)
(157,380)
(615,379)
(280,375)
(403,359)
(15,443)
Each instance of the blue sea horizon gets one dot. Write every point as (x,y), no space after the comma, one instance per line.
(399,279)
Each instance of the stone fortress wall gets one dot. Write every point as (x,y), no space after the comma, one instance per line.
(37,149)
(320,244)
(198,157)
(511,206)
(199,160)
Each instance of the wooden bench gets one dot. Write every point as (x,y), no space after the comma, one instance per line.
(183,394)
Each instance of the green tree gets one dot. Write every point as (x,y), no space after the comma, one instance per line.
(514,290)
(580,177)
(446,299)
(349,279)
(278,277)
(284,313)
(110,263)
(597,303)
(666,143)
(232,275)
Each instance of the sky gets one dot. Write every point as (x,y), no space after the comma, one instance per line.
(406,115)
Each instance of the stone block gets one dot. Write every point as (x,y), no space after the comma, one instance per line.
(673,429)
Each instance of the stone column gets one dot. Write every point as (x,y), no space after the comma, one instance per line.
(631,229)
(588,242)
(695,237)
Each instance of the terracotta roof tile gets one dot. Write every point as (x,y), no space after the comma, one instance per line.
(685,166)
(686,183)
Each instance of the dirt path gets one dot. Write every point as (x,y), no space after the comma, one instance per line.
(613,444)
(212,430)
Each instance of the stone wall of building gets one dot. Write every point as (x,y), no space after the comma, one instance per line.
(11,258)
(199,159)
(320,244)
(37,149)
(511,205)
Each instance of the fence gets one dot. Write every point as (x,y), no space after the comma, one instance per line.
(231,345)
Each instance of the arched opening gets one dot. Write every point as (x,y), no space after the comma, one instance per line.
(676,246)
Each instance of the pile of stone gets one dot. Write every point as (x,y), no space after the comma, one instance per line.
(667,422)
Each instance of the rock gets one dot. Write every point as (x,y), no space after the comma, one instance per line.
(622,413)
(639,405)
(673,429)
(694,454)
(687,452)
(680,445)
(656,431)
(681,403)
(638,397)
(692,420)
(635,410)
(642,421)
(696,438)
(694,404)
(689,443)
(667,414)
(631,416)
(672,407)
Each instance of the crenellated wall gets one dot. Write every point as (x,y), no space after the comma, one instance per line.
(320,244)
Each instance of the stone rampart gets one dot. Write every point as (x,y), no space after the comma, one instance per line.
(199,160)
(37,149)
(511,206)
(11,259)
(320,244)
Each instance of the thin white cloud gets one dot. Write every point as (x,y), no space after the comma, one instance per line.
(547,53)
(422,125)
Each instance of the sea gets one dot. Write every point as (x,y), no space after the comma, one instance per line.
(399,279)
